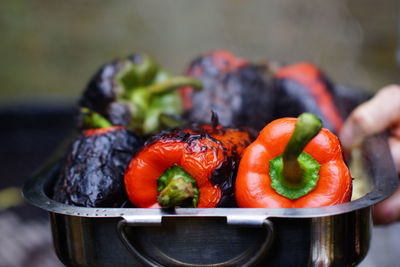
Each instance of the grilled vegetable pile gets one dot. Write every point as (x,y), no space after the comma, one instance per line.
(146,137)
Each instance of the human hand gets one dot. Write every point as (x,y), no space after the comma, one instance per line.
(380,113)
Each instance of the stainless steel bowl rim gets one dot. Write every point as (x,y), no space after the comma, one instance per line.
(385,183)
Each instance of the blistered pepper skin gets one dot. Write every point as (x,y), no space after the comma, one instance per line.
(210,156)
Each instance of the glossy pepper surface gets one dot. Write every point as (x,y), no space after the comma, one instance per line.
(205,157)
(320,177)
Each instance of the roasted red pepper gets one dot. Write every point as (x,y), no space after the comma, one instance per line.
(302,87)
(236,90)
(275,173)
(190,167)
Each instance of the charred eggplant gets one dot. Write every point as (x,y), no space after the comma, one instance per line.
(237,91)
(93,171)
(133,92)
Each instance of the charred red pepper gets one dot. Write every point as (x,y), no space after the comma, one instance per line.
(133,92)
(189,167)
(93,170)
(275,172)
(302,87)
(236,90)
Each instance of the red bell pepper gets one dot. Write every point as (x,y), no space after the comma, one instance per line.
(275,172)
(190,167)
(303,87)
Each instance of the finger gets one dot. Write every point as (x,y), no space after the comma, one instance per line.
(396,130)
(388,211)
(374,116)
(394,144)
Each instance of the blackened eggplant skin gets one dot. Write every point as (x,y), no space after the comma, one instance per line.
(103,91)
(93,171)
(238,92)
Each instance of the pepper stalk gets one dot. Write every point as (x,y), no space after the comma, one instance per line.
(295,173)
(176,187)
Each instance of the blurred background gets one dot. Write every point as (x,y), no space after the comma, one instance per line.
(49,49)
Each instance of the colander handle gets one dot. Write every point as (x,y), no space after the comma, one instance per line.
(251,261)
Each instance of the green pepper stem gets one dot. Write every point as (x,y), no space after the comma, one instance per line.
(170,121)
(93,120)
(174,83)
(136,71)
(176,192)
(307,127)
(176,187)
